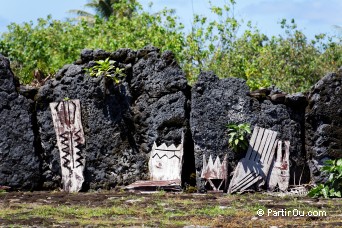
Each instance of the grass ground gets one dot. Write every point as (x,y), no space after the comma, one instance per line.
(161,209)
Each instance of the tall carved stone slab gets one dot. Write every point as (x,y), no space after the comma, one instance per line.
(66,117)
(280,169)
(166,162)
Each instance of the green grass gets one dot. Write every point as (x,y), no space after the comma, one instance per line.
(162,210)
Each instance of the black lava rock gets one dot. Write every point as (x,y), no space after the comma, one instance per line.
(215,103)
(19,168)
(324,123)
(161,104)
(120,122)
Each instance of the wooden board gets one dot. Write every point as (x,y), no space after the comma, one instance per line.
(166,162)
(214,170)
(255,166)
(280,171)
(168,185)
(66,116)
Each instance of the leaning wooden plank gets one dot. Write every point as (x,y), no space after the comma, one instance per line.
(267,142)
(248,175)
(267,154)
(257,144)
(271,149)
(242,170)
(280,172)
(267,163)
(263,147)
(252,141)
(255,166)
(66,116)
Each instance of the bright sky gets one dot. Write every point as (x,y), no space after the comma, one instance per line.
(312,16)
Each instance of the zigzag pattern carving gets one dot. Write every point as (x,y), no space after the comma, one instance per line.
(78,146)
(66,150)
(165,155)
(166,162)
(66,116)
(164,147)
(214,170)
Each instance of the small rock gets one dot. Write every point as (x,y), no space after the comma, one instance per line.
(278,98)
(132,201)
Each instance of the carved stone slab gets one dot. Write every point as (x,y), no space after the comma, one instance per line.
(255,166)
(214,170)
(280,170)
(166,162)
(66,116)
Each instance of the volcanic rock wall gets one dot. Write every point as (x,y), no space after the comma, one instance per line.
(120,122)
(215,103)
(154,104)
(324,123)
(19,160)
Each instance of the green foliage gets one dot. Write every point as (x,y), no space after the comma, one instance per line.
(190,189)
(66,99)
(44,47)
(290,61)
(333,187)
(106,68)
(238,136)
(50,44)
(105,9)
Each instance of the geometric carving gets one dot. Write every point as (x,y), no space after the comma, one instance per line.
(255,166)
(280,170)
(166,162)
(66,116)
(165,169)
(214,171)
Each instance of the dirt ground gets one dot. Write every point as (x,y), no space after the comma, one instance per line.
(161,209)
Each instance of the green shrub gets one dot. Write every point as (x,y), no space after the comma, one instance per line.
(50,44)
(106,68)
(238,136)
(290,61)
(333,187)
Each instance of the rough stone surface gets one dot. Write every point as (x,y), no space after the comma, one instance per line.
(154,104)
(324,123)
(19,163)
(161,104)
(159,90)
(120,122)
(216,103)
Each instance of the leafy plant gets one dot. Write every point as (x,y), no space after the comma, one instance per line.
(238,136)
(66,99)
(48,44)
(333,187)
(106,68)
(105,9)
(291,61)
